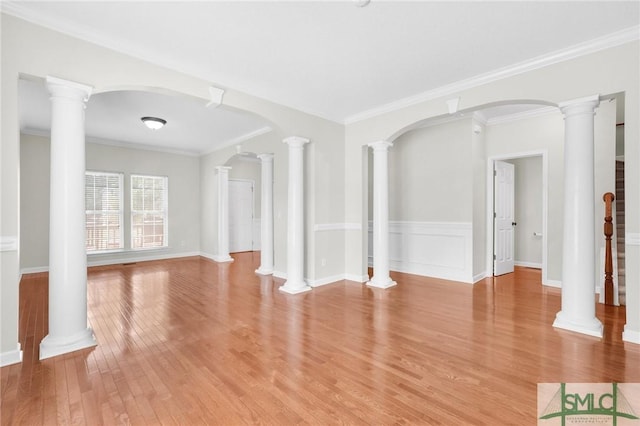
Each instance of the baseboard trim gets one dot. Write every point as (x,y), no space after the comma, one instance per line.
(34,270)
(631,336)
(479,277)
(120,261)
(552,283)
(356,278)
(280,274)
(528,264)
(11,357)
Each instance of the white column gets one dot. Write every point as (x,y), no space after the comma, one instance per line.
(295,220)
(266,216)
(68,327)
(381,278)
(578,253)
(223,215)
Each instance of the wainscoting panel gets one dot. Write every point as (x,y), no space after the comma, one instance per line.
(433,249)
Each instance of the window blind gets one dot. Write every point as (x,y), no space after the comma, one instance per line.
(149,211)
(103,208)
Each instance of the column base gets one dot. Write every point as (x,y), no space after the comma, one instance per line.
(54,346)
(592,327)
(222,259)
(294,288)
(381,283)
(264,271)
(631,336)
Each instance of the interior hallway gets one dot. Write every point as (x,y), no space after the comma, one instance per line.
(191,341)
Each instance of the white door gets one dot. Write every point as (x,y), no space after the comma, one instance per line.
(240,216)
(504,221)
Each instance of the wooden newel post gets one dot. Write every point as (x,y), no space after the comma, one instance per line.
(608,257)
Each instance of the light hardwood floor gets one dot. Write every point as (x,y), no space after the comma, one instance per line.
(193,342)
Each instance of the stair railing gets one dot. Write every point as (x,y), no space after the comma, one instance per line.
(608,257)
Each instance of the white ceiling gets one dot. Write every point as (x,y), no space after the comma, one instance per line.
(335,59)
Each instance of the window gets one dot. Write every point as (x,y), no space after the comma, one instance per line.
(149,196)
(103,208)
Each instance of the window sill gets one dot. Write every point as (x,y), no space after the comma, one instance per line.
(125,251)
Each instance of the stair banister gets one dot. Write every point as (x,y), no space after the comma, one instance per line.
(608,257)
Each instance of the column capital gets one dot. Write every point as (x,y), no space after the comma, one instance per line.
(580,106)
(68,89)
(380,145)
(296,141)
(223,169)
(266,157)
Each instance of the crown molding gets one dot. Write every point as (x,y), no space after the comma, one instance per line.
(547,110)
(22,11)
(239,139)
(592,46)
(131,145)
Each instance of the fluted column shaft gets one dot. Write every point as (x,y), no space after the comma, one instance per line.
(295,220)
(266,215)
(68,328)
(381,276)
(578,254)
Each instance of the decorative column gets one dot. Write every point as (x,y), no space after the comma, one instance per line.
(223,215)
(68,327)
(266,216)
(295,220)
(578,253)
(381,278)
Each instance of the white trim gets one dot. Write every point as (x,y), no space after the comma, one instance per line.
(524,264)
(135,259)
(631,336)
(222,259)
(538,112)
(337,227)
(8,243)
(552,283)
(480,276)
(324,281)
(153,148)
(545,206)
(34,270)
(238,139)
(356,278)
(11,357)
(632,238)
(585,48)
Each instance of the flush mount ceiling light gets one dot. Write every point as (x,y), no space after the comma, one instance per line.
(154,123)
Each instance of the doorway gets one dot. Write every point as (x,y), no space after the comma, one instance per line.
(240,215)
(530,212)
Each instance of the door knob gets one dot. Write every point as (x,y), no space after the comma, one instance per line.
(513,224)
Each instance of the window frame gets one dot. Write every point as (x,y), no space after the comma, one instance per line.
(164,212)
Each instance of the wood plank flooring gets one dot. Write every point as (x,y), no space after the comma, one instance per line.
(193,342)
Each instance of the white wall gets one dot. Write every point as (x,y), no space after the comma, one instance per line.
(431,174)
(184,200)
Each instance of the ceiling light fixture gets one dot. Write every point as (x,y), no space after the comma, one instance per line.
(154,123)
